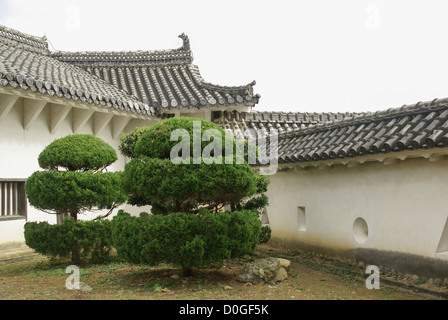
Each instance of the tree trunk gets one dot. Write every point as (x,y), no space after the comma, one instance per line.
(187,272)
(76,258)
(74,214)
(60,217)
(179,206)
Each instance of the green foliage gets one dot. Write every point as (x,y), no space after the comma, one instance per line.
(155,141)
(70,191)
(256,203)
(151,178)
(90,239)
(77,152)
(186,228)
(185,240)
(128,141)
(184,187)
(265,234)
(262,184)
(81,187)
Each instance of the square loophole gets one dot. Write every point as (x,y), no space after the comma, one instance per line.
(301,218)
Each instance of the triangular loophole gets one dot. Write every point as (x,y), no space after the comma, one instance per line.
(443,242)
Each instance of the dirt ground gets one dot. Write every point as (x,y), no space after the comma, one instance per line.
(39,278)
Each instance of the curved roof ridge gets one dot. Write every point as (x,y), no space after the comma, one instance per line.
(213,86)
(181,55)
(308,112)
(367,117)
(22,40)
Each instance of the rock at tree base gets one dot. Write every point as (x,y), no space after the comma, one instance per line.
(265,270)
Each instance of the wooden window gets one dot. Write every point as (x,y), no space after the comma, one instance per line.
(13,204)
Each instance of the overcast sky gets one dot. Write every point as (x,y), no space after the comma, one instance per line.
(316,55)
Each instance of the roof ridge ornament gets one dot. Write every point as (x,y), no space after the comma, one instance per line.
(186,41)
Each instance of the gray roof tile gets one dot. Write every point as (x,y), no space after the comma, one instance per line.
(25,62)
(163,79)
(136,81)
(282,121)
(423,125)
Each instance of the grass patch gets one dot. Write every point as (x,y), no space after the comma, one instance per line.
(41,278)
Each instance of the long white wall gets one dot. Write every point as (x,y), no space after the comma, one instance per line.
(405,207)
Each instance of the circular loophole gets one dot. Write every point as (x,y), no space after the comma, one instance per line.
(360,230)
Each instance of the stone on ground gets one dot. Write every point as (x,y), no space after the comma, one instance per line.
(265,270)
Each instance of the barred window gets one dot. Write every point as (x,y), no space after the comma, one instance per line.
(13,204)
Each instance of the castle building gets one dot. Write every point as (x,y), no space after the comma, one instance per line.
(368,185)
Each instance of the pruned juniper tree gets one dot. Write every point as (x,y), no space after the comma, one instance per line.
(204,195)
(74,179)
(177,167)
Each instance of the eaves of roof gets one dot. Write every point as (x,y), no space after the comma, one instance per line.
(26,63)
(419,126)
(283,122)
(164,79)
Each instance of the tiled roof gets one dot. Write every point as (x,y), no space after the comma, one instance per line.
(422,125)
(26,63)
(21,40)
(265,121)
(163,79)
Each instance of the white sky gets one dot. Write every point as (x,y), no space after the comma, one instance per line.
(315,55)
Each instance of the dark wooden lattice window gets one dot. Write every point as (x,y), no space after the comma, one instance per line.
(13,204)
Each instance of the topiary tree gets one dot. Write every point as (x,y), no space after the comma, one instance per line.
(183,181)
(92,239)
(188,170)
(74,180)
(185,240)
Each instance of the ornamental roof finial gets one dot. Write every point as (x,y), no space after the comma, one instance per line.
(186,45)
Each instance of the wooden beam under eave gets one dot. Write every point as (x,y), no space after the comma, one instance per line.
(118,125)
(58,113)
(7,102)
(100,121)
(31,110)
(80,117)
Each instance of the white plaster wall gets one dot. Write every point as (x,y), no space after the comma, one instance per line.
(405,205)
